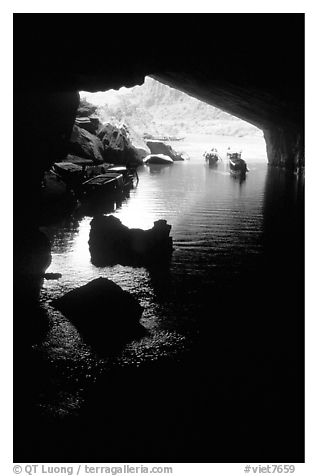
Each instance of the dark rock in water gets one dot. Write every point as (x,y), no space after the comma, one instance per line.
(121,146)
(111,242)
(102,311)
(157,147)
(52,276)
(86,145)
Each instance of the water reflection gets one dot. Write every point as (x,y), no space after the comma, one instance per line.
(156,169)
(225,313)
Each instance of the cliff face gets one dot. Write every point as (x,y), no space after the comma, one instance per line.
(158,109)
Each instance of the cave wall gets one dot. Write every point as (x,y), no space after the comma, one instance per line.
(279,119)
(42,128)
(285,148)
(246,64)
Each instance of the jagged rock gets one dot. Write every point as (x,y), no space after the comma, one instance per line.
(111,242)
(101,310)
(86,145)
(157,147)
(118,145)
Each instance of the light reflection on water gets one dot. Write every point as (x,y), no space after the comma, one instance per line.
(217,225)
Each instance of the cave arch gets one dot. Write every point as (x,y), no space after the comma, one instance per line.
(247,65)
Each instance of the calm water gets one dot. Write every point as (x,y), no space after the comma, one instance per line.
(220,229)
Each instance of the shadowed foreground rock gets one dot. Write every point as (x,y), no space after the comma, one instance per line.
(111,242)
(104,313)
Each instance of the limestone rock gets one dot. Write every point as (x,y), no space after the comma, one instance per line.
(157,147)
(101,309)
(119,147)
(86,145)
(111,242)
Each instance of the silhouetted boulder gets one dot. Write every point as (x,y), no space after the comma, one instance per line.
(111,242)
(121,146)
(157,147)
(86,145)
(102,310)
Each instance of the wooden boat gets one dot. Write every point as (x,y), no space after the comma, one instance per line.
(130,175)
(157,159)
(237,165)
(71,174)
(212,157)
(104,184)
(66,169)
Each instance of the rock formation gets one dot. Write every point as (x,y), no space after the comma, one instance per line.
(86,145)
(249,69)
(157,147)
(111,242)
(118,147)
(102,311)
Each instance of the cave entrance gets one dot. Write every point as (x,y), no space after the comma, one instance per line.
(155,111)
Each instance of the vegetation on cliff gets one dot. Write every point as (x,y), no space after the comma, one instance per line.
(157,109)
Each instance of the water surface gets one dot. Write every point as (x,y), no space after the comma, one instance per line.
(213,318)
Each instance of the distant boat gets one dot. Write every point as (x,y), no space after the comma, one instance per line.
(237,165)
(212,157)
(157,159)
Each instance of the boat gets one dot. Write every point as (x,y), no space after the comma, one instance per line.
(212,157)
(67,169)
(157,159)
(110,183)
(71,174)
(130,175)
(237,165)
